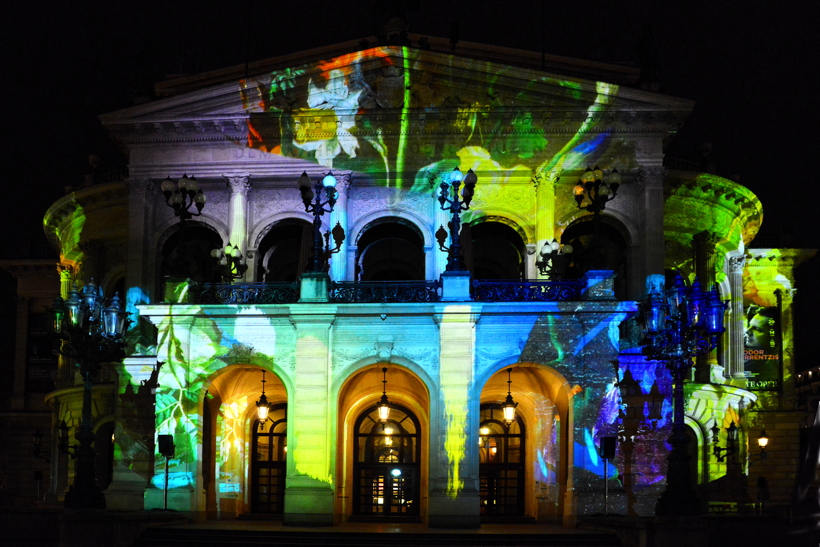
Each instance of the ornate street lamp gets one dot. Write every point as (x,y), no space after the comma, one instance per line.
(182,194)
(231,263)
(452,197)
(731,442)
(91,334)
(596,190)
(554,259)
(312,198)
(262,405)
(383,407)
(508,408)
(680,324)
(592,193)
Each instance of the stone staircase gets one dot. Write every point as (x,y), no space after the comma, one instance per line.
(157,536)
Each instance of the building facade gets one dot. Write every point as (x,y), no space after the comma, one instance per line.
(384,313)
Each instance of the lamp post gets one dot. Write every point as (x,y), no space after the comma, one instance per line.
(452,197)
(592,192)
(731,442)
(762,442)
(312,198)
(231,263)
(680,324)
(91,334)
(182,194)
(554,259)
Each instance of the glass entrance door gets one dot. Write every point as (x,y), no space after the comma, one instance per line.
(268,463)
(501,467)
(386,464)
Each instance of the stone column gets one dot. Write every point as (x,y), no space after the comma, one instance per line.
(239,186)
(453,491)
(650,182)
(309,496)
(707,369)
(338,261)
(735,324)
(544,217)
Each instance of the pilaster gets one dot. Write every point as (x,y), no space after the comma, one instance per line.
(309,496)
(453,469)
(544,218)
(650,180)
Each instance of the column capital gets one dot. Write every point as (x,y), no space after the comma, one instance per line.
(545,176)
(238,183)
(735,263)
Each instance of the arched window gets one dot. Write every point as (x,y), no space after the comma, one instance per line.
(495,251)
(386,463)
(390,249)
(285,251)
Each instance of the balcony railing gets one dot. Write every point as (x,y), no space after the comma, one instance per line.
(245,293)
(525,291)
(382,292)
(385,291)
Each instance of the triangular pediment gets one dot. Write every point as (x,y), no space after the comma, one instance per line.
(392,77)
(399,112)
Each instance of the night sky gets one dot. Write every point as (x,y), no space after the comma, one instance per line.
(749,66)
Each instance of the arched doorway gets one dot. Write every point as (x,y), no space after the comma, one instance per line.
(243,465)
(526,474)
(501,463)
(269,450)
(386,464)
(598,243)
(186,252)
(285,251)
(390,249)
(495,250)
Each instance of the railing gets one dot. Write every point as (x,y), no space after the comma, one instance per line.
(245,293)
(384,291)
(525,291)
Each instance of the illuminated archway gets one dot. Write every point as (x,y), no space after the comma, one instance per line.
(358,396)
(229,419)
(543,424)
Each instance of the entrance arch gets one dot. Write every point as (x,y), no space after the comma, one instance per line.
(363,455)
(232,457)
(533,478)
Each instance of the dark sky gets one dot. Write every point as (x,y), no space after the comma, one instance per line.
(750,69)
(750,66)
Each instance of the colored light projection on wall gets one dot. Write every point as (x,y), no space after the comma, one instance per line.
(401,114)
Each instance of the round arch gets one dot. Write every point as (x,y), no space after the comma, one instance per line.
(546,416)
(358,393)
(228,410)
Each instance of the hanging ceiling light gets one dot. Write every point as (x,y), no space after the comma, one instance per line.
(383,407)
(508,408)
(262,405)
